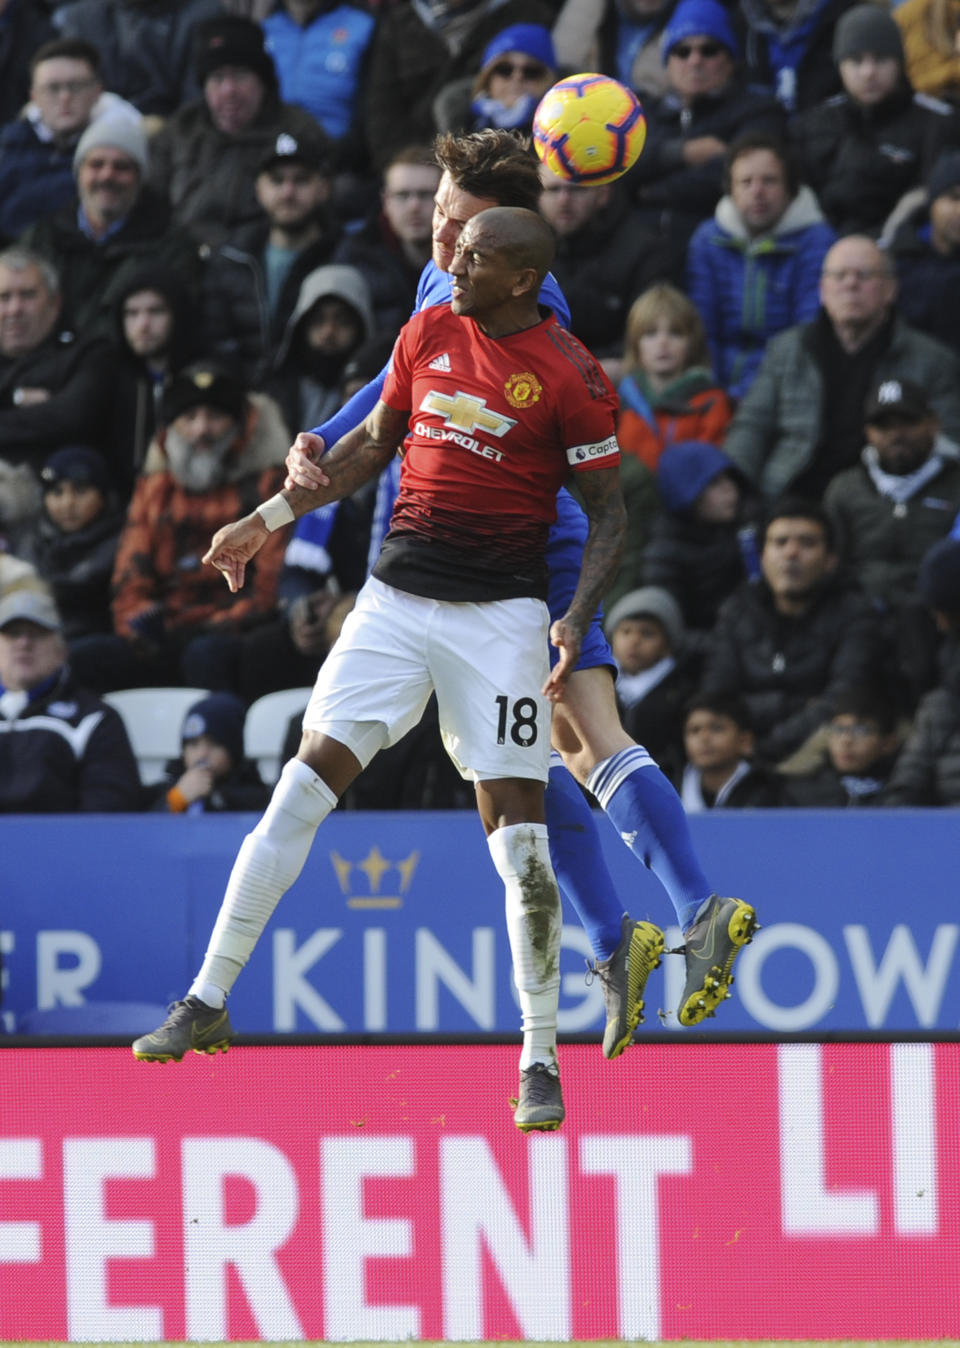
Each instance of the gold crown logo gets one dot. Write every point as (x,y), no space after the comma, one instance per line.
(374,867)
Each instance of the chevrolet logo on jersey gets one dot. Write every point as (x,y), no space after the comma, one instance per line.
(466,413)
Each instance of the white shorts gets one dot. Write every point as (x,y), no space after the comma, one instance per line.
(486,662)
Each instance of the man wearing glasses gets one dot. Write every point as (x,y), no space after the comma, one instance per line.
(678,179)
(801,421)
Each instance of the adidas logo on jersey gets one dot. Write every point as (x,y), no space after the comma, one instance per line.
(441,363)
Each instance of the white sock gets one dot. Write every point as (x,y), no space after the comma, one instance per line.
(269,860)
(522,858)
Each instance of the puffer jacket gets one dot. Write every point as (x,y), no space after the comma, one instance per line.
(320,63)
(777,427)
(691,407)
(747,289)
(861,160)
(927,771)
(787,668)
(883,541)
(168,530)
(66,752)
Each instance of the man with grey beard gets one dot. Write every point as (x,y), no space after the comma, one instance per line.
(217,450)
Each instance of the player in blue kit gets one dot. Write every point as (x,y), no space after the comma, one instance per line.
(482,170)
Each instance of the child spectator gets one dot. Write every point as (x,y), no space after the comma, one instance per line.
(73,543)
(703,544)
(212,774)
(862,742)
(654,680)
(668,392)
(720,771)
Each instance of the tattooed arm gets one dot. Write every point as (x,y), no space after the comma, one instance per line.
(603,499)
(354,460)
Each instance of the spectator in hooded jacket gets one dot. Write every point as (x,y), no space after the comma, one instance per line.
(37,148)
(863,149)
(788,640)
(113,228)
(73,543)
(332,319)
(62,750)
(252,279)
(144,48)
(156,333)
(204,160)
(703,544)
(926,253)
(218,447)
(668,392)
(678,179)
(753,269)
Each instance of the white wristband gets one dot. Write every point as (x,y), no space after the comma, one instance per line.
(276,512)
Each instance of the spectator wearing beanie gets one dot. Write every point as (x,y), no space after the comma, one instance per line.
(205,159)
(927,771)
(113,228)
(517,68)
(863,149)
(703,544)
(654,678)
(211,775)
(73,543)
(926,252)
(678,179)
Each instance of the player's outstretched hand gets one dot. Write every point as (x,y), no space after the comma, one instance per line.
(302,465)
(566,637)
(234,545)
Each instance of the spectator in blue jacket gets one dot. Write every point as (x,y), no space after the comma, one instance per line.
(320,48)
(754,269)
(37,148)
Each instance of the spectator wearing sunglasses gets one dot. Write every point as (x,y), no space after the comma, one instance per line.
(678,179)
(519,65)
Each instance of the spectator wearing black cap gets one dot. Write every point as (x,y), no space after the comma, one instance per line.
(861,150)
(144,49)
(927,771)
(211,775)
(73,543)
(888,510)
(218,449)
(252,280)
(206,157)
(925,248)
(62,750)
(113,228)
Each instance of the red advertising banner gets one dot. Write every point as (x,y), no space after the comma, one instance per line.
(696,1190)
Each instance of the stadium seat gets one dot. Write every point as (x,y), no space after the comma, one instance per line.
(266,728)
(153,717)
(115,1018)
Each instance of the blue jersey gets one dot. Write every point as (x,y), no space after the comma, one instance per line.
(568,534)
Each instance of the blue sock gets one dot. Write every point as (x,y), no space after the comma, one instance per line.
(646,811)
(578,861)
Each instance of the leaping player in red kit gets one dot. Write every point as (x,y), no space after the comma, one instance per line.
(496,405)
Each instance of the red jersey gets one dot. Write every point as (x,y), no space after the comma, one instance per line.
(496,427)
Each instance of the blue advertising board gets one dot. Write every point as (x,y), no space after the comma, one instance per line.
(396,923)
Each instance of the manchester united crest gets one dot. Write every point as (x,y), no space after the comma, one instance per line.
(522,390)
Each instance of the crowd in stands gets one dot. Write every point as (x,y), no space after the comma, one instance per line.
(213,217)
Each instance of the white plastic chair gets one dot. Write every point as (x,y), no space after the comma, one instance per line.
(265,728)
(154,718)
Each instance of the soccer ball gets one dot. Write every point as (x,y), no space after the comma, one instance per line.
(589,129)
